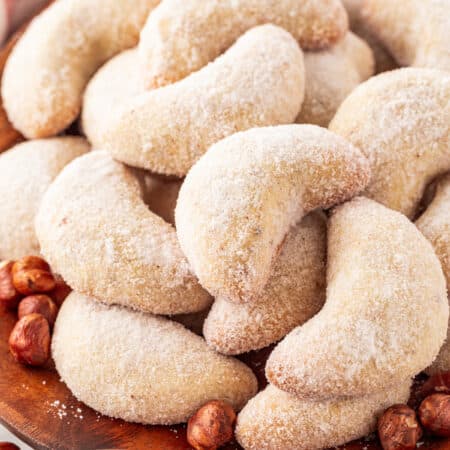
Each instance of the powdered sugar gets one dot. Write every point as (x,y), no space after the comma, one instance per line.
(239,201)
(164,372)
(48,69)
(96,231)
(400,120)
(26,172)
(257,82)
(294,293)
(181,37)
(386,313)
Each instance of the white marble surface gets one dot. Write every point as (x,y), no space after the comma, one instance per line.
(6,436)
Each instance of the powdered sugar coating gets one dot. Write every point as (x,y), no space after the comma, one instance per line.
(274,420)
(112,86)
(164,372)
(181,36)
(401,122)
(358,24)
(240,199)
(96,231)
(26,172)
(386,313)
(331,75)
(48,69)
(257,82)
(294,293)
(414,31)
(434,223)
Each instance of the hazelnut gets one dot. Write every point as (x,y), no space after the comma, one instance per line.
(211,426)
(8,446)
(32,275)
(9,297)
(399,429)
(40,304)
(434,413)
(61,290)
(29,341)
(437,383)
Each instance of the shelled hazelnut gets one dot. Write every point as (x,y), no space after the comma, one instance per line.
(29,341)
(211,426)
(32,275)
(399,429)
(434,414)
(40,304)
(9,296)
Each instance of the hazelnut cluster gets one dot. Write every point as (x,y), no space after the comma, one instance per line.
(29,286)
(401,427)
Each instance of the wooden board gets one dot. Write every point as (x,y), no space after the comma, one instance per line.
(38,407)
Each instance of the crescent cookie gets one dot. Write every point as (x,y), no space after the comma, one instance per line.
(435,226)
(331,75)
(294,293)
(401,122)
(48,69)
(26,172)
(182,36)
(164,374)
(112,86)
(358,24)
(274,420)
(415,31)
(259,81)
(238,202)
(96,231)
(386,313)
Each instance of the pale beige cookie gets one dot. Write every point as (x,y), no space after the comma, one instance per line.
(112,86)
(96,231)
(46,73)
(294,293)
(435,225)
(182,36)
(139,367)
(401,122)
(331,75)
(416,32)
(358,24)
(257,82)
(386,313)
(26,172)
(274,420)
(238,202)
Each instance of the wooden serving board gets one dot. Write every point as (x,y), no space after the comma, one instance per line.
(38,407)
